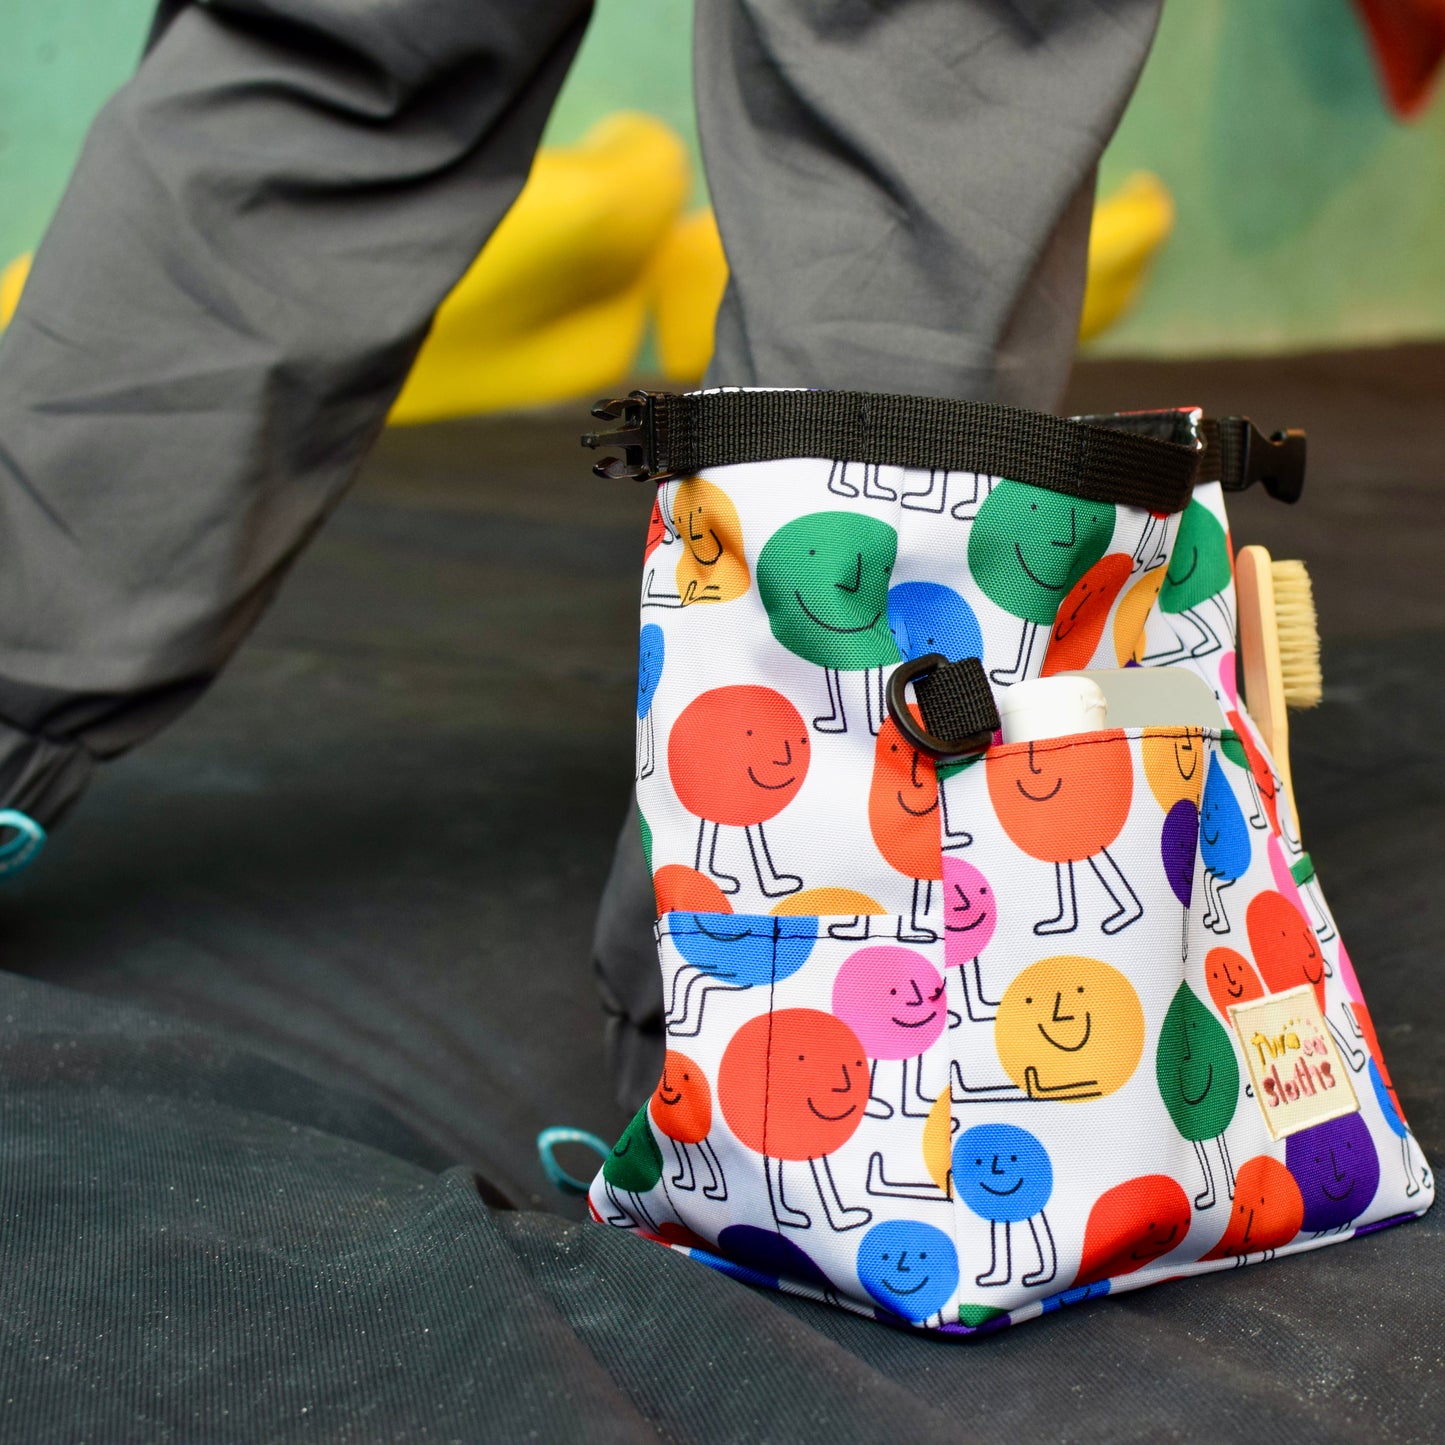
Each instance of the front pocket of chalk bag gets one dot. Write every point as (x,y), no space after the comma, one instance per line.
(803,1054)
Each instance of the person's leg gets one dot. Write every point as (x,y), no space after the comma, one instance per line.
(231,293)
(904,193)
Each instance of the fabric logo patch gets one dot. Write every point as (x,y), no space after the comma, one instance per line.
(1293,1063)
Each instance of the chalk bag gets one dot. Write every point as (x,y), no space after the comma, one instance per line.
(960,1031)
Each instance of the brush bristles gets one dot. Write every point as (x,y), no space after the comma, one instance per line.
(1299,634)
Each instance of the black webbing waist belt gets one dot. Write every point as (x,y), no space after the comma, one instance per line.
(670,435)
(1138,459)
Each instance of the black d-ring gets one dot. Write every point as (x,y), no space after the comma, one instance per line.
(917,671)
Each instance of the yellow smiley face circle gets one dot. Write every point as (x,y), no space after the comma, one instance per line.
(1174,763)
(1070,1028)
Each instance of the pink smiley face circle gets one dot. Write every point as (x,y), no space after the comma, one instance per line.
(970,912)
(892,998)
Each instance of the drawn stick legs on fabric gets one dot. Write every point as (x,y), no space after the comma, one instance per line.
(1005,676)
(975,1000)
(646,746)
(934,496)
(1044,1244)
(1066,920)
(707,850)
(1319,916)
(847,1216)
(880,1185)
(1355,1056)
(686,1177)
(784,1215)
(911,1091)
(1125,912)
(1152,542)
(1214,916)
(954,837)
(772,883)
(1207,640)
(841,484)
(915,928)
(841,1217)
(923,500)
(628,1220)
(1206,1199)
(684,1021)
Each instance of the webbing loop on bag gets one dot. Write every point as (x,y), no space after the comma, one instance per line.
(663,434)
(547,1143)
(21,839)
(959,714)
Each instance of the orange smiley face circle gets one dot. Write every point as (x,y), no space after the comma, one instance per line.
(738,755)
(1062,801)
(681,1104)
(793,1084)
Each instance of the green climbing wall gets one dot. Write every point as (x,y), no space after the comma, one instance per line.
(1307,215)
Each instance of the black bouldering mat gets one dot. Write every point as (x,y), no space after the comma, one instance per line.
(291,995)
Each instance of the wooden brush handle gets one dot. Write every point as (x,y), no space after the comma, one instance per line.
(1259,656)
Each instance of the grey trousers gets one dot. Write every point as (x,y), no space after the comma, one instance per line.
(265,218)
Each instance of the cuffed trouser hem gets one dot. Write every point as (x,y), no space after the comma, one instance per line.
(624,962)
(42,777)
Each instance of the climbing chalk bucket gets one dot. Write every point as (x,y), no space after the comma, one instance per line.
(954,1040)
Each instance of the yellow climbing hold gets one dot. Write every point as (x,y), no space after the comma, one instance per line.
(688,278)
(556,304)
(12,283)
(1130,225)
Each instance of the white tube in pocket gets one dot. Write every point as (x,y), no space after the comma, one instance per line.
(1051,707)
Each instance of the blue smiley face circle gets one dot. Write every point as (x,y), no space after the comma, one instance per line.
(910,1268)
(651,651)
(1002,1172)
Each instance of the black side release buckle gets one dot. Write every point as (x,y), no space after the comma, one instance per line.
(955,701)
(1278,461)
(642,437)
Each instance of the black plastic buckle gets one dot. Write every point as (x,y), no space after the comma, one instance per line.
(1278,461)
(642,437)
(917,671)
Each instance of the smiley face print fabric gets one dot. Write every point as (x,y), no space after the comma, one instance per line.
(955,1045)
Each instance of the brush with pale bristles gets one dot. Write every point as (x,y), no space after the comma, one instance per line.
(1298,627)
(1279,647)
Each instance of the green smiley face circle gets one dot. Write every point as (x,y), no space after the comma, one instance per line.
(823,579)
(1029,546)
